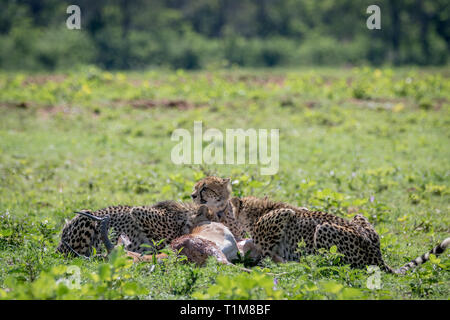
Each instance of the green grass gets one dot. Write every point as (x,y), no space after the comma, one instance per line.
(352,141)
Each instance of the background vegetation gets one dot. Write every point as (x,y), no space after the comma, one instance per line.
(121,34)
(370,141)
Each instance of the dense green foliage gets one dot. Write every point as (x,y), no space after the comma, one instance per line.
(123,34)
(355,140)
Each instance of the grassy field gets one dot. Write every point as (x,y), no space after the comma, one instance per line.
(352,141)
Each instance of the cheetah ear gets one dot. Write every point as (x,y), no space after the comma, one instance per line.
(236,203)
(227,183)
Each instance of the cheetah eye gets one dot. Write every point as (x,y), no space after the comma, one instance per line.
(210,190)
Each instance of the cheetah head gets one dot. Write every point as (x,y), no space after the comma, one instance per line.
(214,192)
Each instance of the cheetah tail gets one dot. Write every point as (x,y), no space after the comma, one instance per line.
(438,250)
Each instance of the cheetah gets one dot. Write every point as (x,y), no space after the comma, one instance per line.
(215,193)
(277,229)
(206,238)
(163,221)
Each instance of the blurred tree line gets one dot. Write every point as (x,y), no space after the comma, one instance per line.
(121,34)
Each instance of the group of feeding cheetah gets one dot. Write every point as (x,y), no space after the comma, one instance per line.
(276,228)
